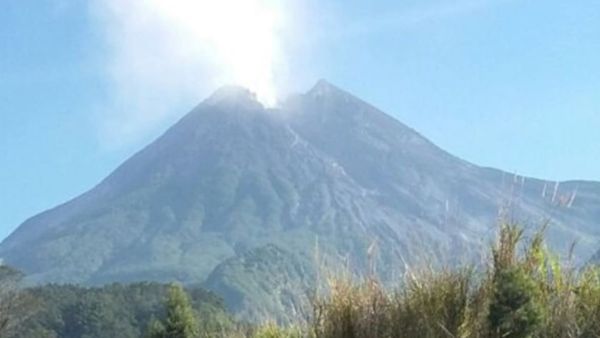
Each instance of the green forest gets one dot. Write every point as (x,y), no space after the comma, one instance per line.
(114,310)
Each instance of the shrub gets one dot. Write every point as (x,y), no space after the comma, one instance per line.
(514,308)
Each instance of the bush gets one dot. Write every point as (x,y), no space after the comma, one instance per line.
(514,309)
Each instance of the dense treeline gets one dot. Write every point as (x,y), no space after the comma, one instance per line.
(115,310)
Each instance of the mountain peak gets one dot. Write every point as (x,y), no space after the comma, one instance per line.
(323,88)
(232,94)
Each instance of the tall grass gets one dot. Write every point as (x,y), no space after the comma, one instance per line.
(522,291)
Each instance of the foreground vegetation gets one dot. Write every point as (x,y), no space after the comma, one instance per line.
(523,290)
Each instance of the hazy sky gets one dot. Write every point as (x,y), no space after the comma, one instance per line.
(84,84)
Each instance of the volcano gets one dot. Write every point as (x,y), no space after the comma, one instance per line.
(242,197)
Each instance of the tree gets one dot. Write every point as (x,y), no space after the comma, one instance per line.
(15,304)
(181,321)
(155,329)
(514,311)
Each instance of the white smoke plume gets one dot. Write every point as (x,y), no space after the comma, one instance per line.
(165,54)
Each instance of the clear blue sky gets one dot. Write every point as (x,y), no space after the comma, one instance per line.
(508,84)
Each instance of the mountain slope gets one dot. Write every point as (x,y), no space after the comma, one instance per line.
(324,170)
(265,282)
(408,172)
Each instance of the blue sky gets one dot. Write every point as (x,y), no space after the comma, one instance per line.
(509,84)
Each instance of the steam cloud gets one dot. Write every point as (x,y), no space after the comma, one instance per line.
(164,54)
